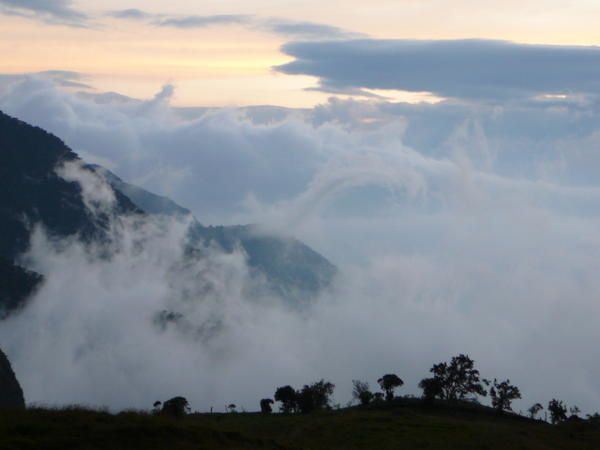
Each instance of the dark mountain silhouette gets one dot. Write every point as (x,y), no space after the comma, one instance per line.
(32,193)
(11,394)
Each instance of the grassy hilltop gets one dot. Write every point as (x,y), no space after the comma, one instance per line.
(401,425)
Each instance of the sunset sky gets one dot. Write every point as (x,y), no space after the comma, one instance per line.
(443,154)
(223,53)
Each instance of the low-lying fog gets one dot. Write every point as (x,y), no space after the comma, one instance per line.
(457,228)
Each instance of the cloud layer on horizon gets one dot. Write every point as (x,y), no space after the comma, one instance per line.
(459,227)
(472,69)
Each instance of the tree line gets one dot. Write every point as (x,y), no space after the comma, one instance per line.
(454,381)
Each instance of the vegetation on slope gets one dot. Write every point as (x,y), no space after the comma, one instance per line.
(402,424)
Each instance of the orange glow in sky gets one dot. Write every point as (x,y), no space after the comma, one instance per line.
(232,64)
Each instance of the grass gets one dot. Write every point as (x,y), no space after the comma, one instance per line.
(402,425)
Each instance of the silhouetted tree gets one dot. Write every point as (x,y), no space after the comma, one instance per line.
(265,405)
(176,407)
(315,396)
(157,407)
(288,398)
(432,388)
(457,380)
(231,407)
(503,394)
(534,410)
(389,383)
(574,411)
(558,411)
(361,392)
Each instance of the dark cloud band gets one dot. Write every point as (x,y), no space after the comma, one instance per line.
(462,68)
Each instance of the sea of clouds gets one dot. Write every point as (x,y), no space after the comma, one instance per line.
(458,227)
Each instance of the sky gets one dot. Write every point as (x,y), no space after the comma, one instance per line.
(444,155)
(227,57)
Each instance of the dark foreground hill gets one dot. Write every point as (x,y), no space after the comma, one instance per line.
(401,427)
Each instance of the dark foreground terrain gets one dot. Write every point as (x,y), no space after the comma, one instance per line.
(395,427)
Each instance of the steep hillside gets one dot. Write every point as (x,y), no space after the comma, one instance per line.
(150,203)
(32,193)
(291,268)
(11,394)
(16,286)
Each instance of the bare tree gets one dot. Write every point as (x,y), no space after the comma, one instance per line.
(361,392)
(534,410)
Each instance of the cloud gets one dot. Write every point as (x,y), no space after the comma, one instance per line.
(201,21)
(66,78)
(50,11)
(131,14)
(305,30)
(283,27)
(457,226)
(175,21)
(62,78)
(96,194)
(474,69)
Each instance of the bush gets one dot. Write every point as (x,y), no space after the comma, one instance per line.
(361,392)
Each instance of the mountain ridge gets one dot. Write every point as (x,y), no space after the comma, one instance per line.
(31,192)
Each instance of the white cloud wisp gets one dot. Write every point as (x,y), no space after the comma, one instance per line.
(457,227)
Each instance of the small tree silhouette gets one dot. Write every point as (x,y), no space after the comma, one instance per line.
(231,407)
(288,398)
(534,410)
(503,394)
(265,405)
(361,392)
(176,407)
(456,380)
(558,411)
(389,383)
(315,396)
(432,388)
